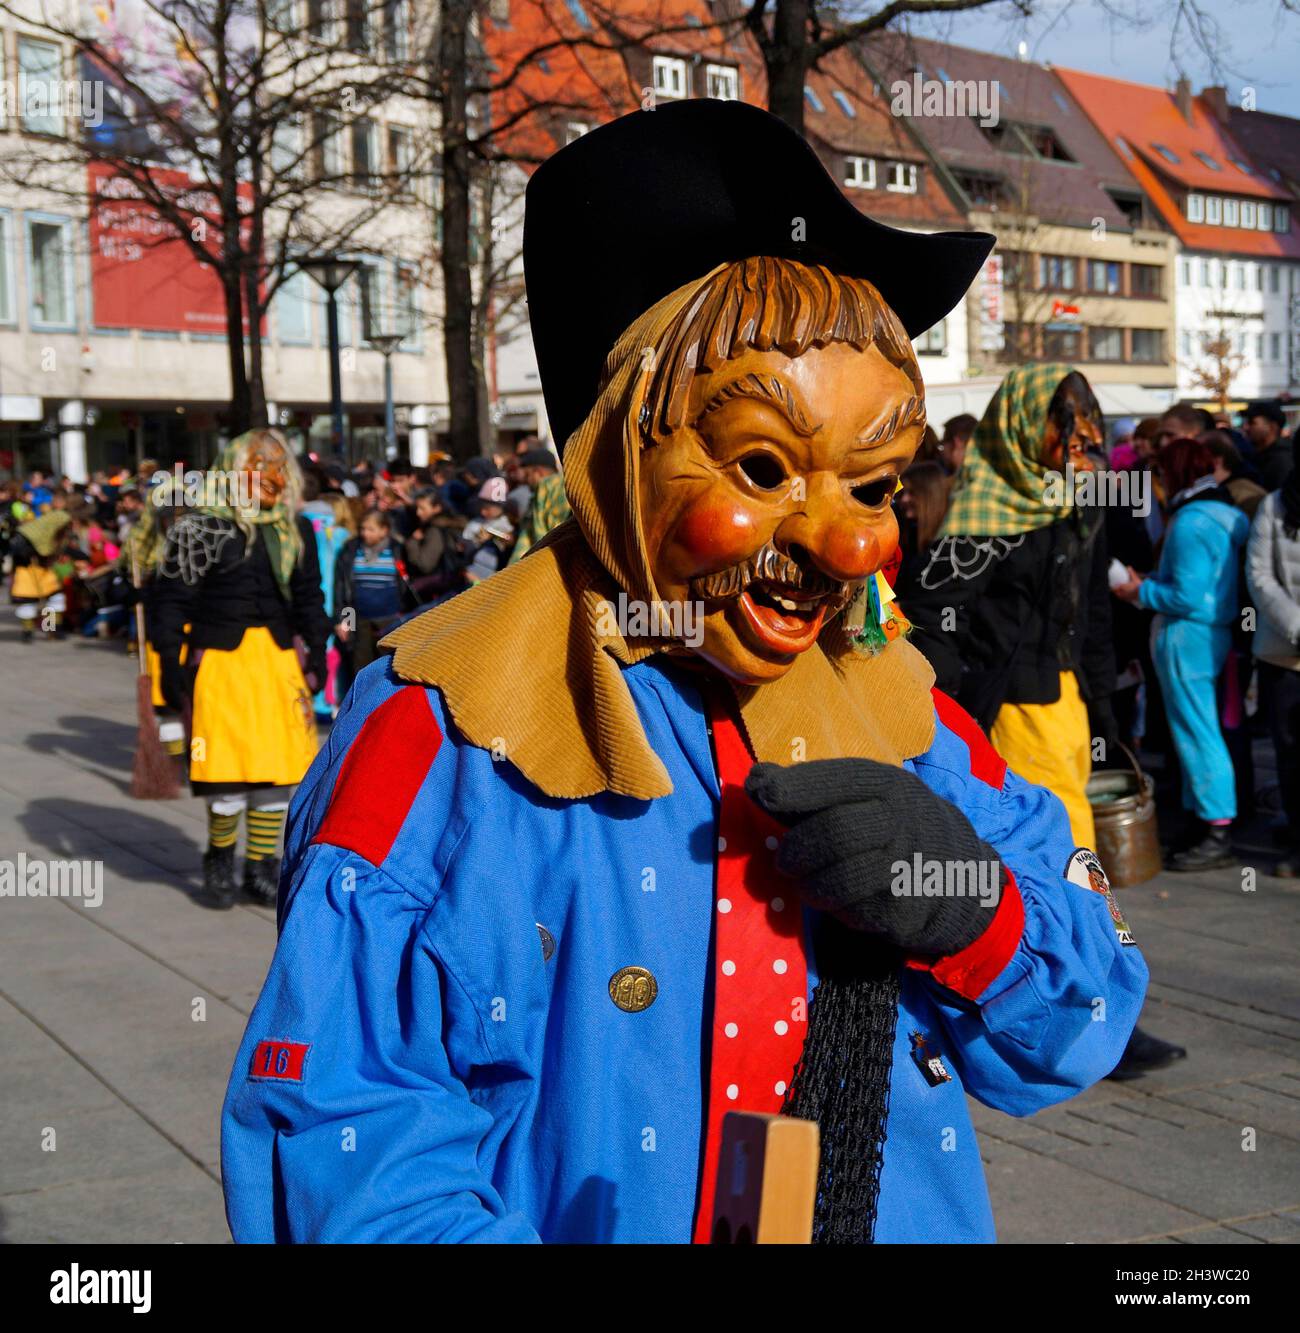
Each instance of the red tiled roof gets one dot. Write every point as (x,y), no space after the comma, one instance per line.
(593,85)
(1136,117)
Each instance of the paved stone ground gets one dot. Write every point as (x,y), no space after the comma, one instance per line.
(99,1041)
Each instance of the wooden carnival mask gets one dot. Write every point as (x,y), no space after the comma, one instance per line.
(268,466)
(769,501)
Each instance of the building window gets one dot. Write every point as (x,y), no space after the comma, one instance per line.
(1196,208)
(934,341)
(1242,276)
(1206,159)
(1105,344)
(401,156)
(669,76)
(1103,276)
(322,20)
(722,82)
(1056,273)
(1062,344)
(282,15)
(843,103)
(38,86)
(1144,280)
(1186,342)
(1214,210)
(579,14)
(1274,279)
(1259,347)
(1275,346)
(365,153)
(1207,273)
(397,29)
(1264,221)
(8,308)
(357,25)
(1248,214)
(286,146)
(1185,272)
(901,178)
(406,303)
(1281,218)
(49,270)
(1148,345)
(1018,341)
(293,303)
(860,173)
(1167,153)
(328,148)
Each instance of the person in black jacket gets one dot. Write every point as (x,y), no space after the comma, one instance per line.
(241,573)
(1013,607)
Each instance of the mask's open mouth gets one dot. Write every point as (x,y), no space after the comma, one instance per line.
(783,619)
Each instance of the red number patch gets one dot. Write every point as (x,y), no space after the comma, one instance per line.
(279,1059)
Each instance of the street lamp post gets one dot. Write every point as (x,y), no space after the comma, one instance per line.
(331,272)
(387,344)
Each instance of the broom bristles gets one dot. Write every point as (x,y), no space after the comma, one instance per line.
(153,775)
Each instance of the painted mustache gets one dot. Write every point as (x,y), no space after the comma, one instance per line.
(769,565)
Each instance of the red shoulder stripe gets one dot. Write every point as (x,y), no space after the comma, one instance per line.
(381,775)
(985,762)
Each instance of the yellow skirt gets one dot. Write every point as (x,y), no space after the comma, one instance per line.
(1051,745)
(253,718)
(34,581)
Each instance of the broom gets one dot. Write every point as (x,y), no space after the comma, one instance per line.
(153,774)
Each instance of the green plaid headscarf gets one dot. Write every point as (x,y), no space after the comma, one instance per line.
(1003,488)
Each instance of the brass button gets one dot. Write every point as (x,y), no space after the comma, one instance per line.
(633,989)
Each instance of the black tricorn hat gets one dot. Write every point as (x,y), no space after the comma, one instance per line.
(630,212)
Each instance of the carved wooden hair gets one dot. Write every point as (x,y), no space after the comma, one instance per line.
(764,304)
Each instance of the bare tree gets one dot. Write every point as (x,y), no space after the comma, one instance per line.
(226,119)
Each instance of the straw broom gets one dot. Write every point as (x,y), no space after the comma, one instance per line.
(153,774)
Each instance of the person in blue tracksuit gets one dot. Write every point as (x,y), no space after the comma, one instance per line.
(666,820)
(1194,593)
(462,1086)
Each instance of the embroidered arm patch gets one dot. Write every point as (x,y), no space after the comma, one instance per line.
(1085,870)
(279,1059)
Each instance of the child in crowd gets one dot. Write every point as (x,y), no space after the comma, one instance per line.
(369,588)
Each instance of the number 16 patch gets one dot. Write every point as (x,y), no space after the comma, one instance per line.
(279,1059)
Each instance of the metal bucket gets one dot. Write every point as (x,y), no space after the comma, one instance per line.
(1124,811)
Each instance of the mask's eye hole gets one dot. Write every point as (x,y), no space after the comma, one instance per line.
(763,470)
(873,494)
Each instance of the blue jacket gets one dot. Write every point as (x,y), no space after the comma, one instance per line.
(1197,577)
(417,1069)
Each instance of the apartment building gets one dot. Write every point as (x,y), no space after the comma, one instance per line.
(1238,269)
(684,48)
(1083,271)
(112,342)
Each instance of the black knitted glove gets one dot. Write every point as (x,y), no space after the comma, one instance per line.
(851,821)
(1102,726)
(173,681)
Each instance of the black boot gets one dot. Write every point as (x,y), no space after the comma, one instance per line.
(1143,1054)
(261,879)
(1212,852)
(219,876)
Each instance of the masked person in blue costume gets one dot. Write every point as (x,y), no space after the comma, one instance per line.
(665,819)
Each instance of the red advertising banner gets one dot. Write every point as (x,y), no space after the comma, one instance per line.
(142,275)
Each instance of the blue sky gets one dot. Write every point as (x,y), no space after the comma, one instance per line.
(1255,42)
